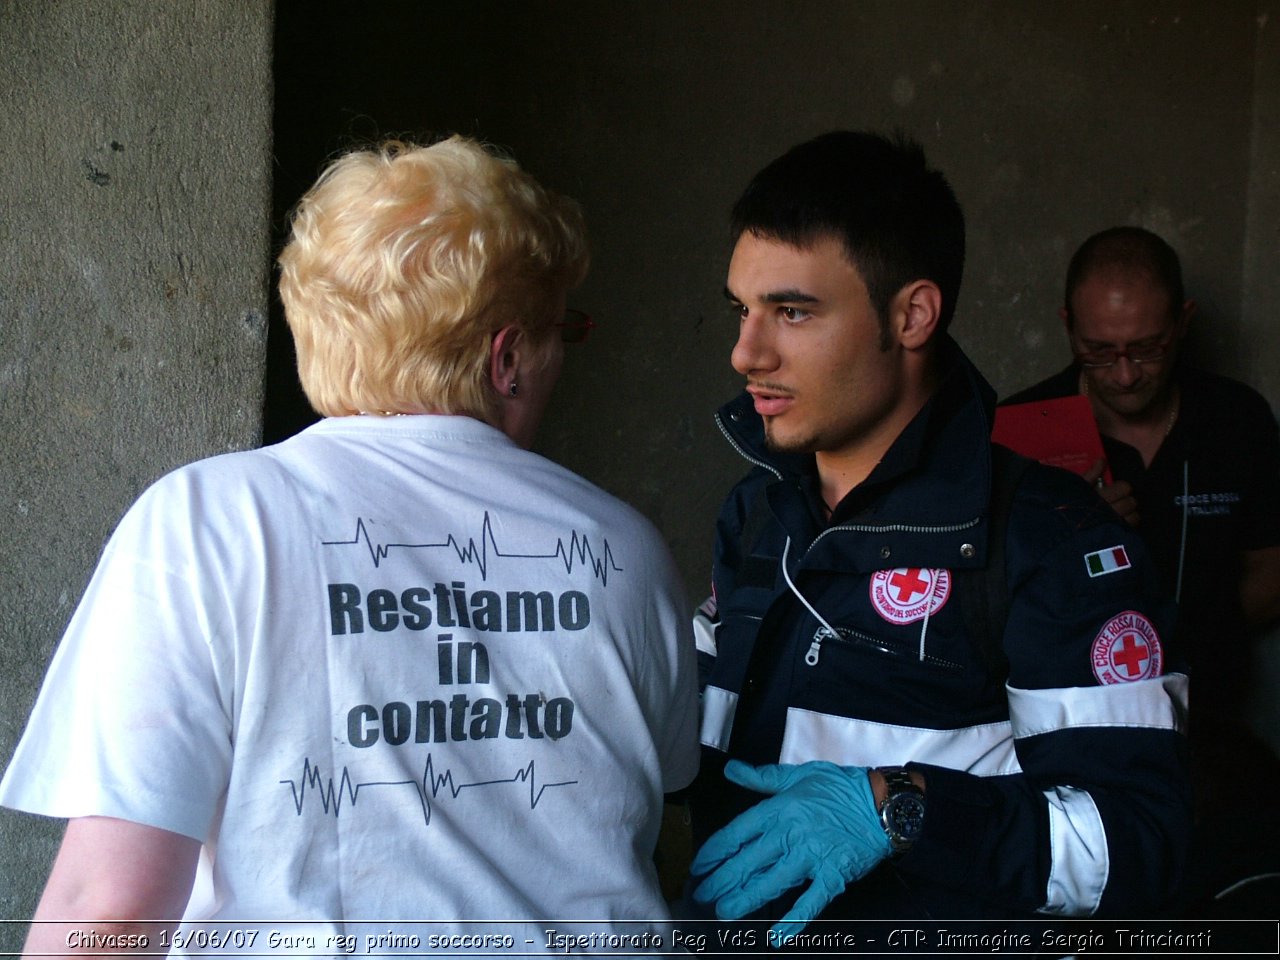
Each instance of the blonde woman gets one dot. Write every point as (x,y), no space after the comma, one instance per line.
(394,668)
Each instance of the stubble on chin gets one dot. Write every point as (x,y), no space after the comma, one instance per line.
(783,444)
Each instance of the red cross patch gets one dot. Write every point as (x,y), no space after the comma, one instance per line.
(909,593)
(1126,649)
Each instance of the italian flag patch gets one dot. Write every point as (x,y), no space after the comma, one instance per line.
(1102,562)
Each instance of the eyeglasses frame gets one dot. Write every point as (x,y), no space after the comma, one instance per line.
(1122,353)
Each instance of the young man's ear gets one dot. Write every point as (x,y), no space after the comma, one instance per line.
(918,309)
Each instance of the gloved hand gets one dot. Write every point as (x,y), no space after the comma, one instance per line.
(820,824)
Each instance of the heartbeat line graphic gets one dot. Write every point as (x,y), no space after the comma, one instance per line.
(332,796)
(578,550)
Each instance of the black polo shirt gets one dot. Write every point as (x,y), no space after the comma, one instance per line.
(1212,491)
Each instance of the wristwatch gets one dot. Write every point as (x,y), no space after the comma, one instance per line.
(902,813)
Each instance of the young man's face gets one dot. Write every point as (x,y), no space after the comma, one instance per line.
(1130,314)
(809,344)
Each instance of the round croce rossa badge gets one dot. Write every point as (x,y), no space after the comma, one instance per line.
(1127,649)
(908,594)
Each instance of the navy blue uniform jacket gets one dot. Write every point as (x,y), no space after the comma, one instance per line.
(1053,750)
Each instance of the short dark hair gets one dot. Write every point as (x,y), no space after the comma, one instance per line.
(1129,249)
(898,219)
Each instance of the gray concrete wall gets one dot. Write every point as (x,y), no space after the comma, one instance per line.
(1052,120)
(133,278)
(133,302)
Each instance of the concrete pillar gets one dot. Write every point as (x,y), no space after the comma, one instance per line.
(133,299)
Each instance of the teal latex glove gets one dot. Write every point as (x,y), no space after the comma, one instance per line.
(820,824)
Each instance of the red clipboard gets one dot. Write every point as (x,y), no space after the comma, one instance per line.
(1061,433)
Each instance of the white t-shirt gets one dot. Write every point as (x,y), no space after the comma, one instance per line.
(390,669)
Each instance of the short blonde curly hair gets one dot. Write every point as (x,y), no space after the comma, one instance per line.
(403,262)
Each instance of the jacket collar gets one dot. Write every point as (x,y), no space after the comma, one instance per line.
(927,501)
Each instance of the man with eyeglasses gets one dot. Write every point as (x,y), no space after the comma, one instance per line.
(1195,465)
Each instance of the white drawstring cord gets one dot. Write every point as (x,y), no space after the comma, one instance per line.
(811,657)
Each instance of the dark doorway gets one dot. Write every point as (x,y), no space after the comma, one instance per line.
(349,75)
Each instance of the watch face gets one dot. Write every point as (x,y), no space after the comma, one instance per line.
(904,815)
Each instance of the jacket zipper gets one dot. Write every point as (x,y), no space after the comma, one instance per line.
(742,453)
(822,634)
(845,635)
(814,653)
(895,528)
(850,527)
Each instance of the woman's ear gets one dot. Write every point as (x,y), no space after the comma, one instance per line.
(504,360)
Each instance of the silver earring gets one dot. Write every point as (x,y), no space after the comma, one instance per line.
(513,389)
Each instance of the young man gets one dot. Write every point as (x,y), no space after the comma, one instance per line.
(1195,459)
(946,672)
